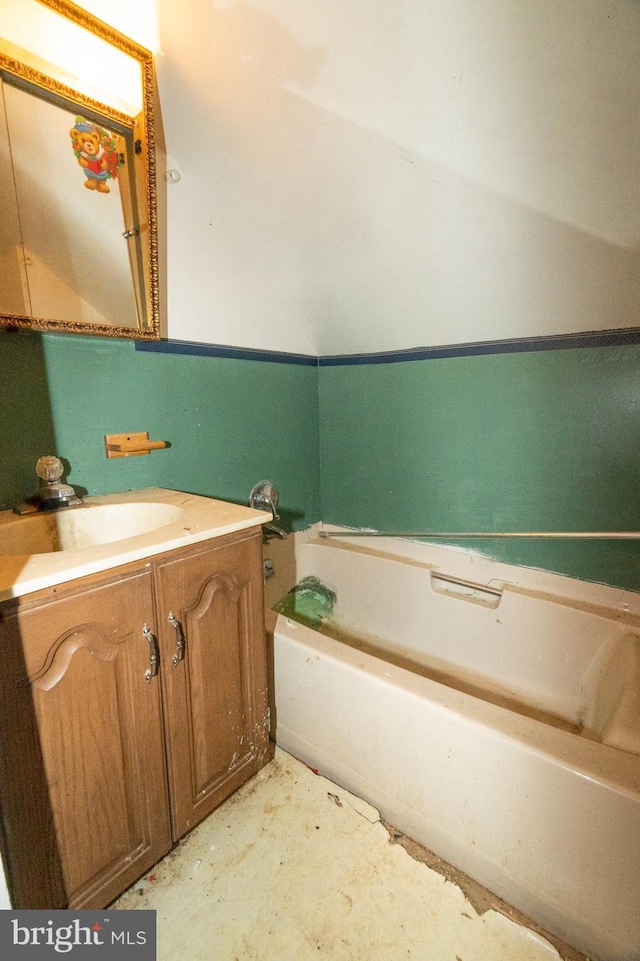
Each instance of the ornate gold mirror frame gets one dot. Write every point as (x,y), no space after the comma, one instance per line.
(27,70)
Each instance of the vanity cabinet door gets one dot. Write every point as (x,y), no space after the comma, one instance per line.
(82,775)
(215,694)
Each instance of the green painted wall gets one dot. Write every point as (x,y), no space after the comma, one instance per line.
(531,441)
(26,424)
(230,423)
(547,440)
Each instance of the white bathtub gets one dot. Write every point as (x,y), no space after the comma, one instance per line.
(502,729)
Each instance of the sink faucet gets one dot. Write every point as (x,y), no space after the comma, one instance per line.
(52,495)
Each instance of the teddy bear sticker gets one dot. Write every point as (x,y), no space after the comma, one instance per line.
(96,150)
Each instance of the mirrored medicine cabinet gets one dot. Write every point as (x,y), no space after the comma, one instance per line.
(78,231)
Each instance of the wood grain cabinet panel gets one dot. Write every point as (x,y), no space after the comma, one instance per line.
(215,695)
(82,781)
(107,757)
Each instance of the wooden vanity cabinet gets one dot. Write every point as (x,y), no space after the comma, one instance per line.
(82,775)
(213,653)
(110,751)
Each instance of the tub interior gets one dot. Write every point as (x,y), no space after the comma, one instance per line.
(564,662)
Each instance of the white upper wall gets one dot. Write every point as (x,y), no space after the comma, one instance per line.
(366,175)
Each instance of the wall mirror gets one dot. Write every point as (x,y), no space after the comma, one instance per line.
(78,229)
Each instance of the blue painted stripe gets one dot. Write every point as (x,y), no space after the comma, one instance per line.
(608,338)
(230,353)
(602,338)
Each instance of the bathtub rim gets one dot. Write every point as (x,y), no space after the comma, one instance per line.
(616,769)
(592,597)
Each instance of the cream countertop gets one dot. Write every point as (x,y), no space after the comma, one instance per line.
(185,518)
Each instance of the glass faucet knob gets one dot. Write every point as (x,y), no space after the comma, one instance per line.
(49,468)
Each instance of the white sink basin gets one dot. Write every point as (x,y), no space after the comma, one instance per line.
(77,528)
(38,551)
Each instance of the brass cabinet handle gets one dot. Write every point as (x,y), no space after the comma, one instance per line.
(152,670)
(179,652)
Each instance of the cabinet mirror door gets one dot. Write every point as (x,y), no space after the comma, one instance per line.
(78,235)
